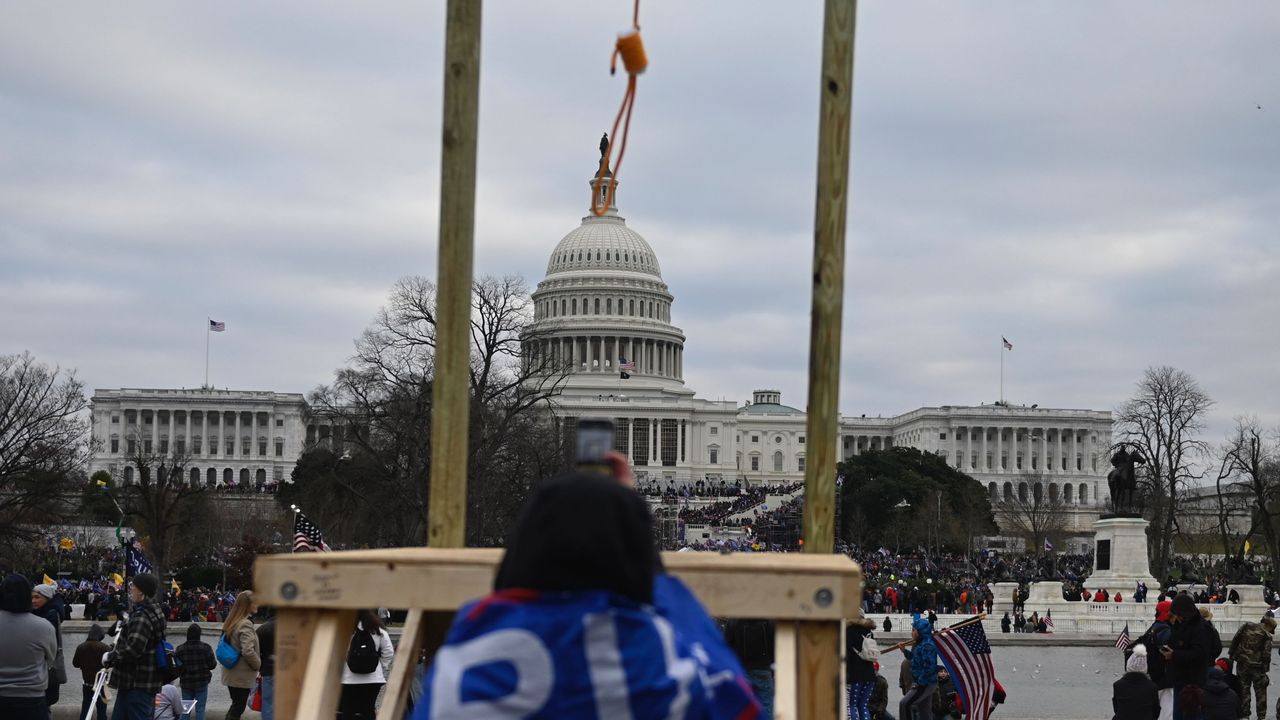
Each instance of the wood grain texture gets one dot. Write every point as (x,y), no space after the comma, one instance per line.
(451,390)
(322,678)
(818,670)
(784,674)
(402,668)
(293,644)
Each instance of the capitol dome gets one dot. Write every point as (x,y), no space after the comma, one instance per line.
(603,307)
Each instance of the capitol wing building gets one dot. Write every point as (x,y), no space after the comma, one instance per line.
(603,311)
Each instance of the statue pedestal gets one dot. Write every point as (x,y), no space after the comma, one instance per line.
(1120,556)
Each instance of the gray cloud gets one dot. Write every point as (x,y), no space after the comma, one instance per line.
(1092,181)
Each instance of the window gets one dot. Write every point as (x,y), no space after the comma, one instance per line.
(182,446)
(1019,462)
(608,306)
(778,461)
(632,305)
(279,422)
(115,445)
(132,445)
(146,446)
(231,447)
(755,462)
(801,439)
(777,440)
(715,429)
(575,306)
(715,456)
(755,438)
(942,436)
(244,447)
(262,447)
(800,463)
(279,448)
(597,306)
(115,419)
(164,446)
(195,445)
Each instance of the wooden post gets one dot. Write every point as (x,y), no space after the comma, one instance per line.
(818,643)
(451,389)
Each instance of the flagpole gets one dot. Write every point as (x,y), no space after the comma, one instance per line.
(1002,371)
(963,623)
(209,323)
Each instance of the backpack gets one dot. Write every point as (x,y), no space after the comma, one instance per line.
(363,654)
(870,651)
(167,661)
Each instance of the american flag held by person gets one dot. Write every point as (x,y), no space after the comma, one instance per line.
(135,562)
(967,655)
(1123,641)
(306,536)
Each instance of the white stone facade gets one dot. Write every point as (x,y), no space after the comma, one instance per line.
(603,300)
(227,436)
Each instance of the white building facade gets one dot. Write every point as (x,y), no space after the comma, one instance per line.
(226,437)
(603,305)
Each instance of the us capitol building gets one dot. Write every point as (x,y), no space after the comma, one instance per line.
(603,299)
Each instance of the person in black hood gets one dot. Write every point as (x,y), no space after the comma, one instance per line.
(1220,701)
(583,531)
(1189,653)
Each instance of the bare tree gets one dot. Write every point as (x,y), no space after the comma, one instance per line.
(43,443)
(1250,465)
(1033,512)
(1163,420)
(160,499)
(381,407)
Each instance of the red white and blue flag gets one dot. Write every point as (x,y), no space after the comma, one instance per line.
(306,536)
(967,655)
(1123,642)
(624,366)
(1007,345)
(215,326)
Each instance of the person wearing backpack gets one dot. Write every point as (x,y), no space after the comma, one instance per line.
(240,677)
(197,669)
(367,667)
(860,656)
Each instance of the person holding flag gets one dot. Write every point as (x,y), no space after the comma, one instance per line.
(133,660)
(917,703)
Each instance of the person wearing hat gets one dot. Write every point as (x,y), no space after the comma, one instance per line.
(1134,696)
(1251,652)
(135,674)
(1154,638)
(1189,650)
(29,647)
(46,604)
(88,658)
(917,702)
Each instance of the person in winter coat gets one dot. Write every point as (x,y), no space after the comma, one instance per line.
(1160,632)
(1133,696)
(1251,652)
(46,604)
(197,669)
(135,674)
(1191,703)
(1220,701)
(1189,651)
(860,673)
(1233,682)
(360,691)
(267,646)
(241,678)
(168,703)
(88,658)
(879,702)
(917,702)
(1005,622)
(29,648)
(1215,640)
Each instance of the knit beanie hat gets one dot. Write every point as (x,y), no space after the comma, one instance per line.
(15,594)
(1138,660)
(147,583)
(45,590)
(1162,610)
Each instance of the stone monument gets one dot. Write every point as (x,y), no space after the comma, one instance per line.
(1120,556)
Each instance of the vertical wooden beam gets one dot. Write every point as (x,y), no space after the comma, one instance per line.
(321,680)
(828,275)
(403,667)
(450,393)
(784,672)
(818,643)
(293,644)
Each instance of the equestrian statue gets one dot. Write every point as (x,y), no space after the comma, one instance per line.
(1122,480)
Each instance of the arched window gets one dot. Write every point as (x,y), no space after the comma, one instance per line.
(575,306)
(1039,492)
(1084,493)
(261,477)
(211,477)
(632,304)
(228,477)
(1008,491)
(128,475)
(991,490)
(244,476)
(195,476)
(778,461)
(1066,492)
(608,306)
(1053,491)
(563,303)
(597,306)
(1022,492)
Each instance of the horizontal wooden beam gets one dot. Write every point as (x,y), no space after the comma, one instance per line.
(749,585)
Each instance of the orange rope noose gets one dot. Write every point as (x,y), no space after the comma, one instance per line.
(634,61)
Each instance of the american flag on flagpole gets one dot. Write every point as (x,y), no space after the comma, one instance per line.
(306,536)
(136,563)
(215,326)
(1123,642)
(1048,619)
(1007,345)
(624,366)
(967,655)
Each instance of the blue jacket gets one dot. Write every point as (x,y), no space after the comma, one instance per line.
(924,656)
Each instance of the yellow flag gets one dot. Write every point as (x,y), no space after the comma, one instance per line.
(174,584)
(1246,546)
(48,580)
(115,578)
(67,544)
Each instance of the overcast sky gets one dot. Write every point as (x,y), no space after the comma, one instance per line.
(1094,181)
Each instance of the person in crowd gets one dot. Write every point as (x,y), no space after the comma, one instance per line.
(888,624)
(46,604)
(859,667)
(241,678)
(168,703)
(946,701)
(879,702)
(28,650)
(1134,696)
(1156,637)
(1005,623)
(1251,652)
(1219,700)
(1191,703)
(267,646)
(1233,682)
(1215,640)
(1188,653)
(360,689)
(197,669)
(917,702)
(88,658)
(752,640)
(135,674)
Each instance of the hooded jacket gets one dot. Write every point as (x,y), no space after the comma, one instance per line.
(1220,701)
(924,656)
(53,612)
(1134,697)
(197,660)
(856,669)
(1192,642)
(88,656)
